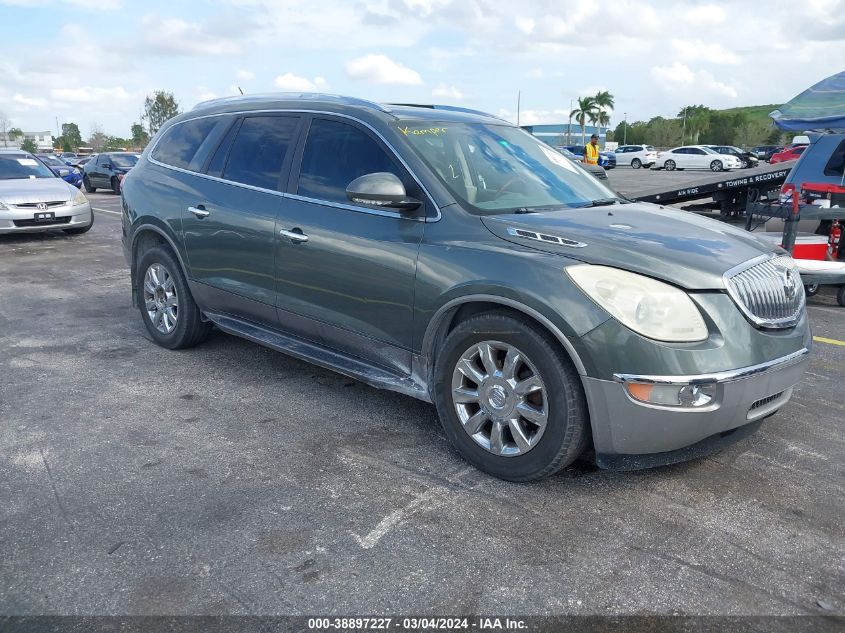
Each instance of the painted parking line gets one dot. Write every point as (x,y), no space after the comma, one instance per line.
(829,341)
(106,211)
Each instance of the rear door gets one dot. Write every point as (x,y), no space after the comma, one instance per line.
(351,284)
(229,218)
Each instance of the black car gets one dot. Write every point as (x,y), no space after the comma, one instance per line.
(765,152)
(748,159)
(107,170)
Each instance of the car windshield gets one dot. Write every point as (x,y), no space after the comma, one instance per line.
(20,166)
(52,160)
(124,161)
(649,148)
(500,168)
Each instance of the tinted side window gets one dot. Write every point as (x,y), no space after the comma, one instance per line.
(180,143)
(259,150)
(335,155)
(218,161)
(836,165)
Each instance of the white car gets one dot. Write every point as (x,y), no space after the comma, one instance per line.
(695,157)
(635,156)
(33,198)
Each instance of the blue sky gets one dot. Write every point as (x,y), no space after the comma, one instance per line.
(93,62)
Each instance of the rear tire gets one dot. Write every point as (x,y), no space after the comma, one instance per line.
(636,163)
(87,184)
(840,296)
(175,322)
(669,165)
(79,230)
(115,185)
(520,420)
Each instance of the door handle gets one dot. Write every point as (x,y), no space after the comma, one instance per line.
(296,235)
(199,211)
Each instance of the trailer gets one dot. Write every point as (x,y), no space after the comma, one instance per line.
(729,192)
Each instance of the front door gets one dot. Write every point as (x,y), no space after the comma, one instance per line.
(229,221)
(348,281)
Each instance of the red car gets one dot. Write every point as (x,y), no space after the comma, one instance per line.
(793,153)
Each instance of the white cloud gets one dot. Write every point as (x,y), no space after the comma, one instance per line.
(380,69)
(90,95)
(697,50)
(525,24)
(30,102)
(444,91)
(174,36)
(245,75)
(696,84)
(535,73)
(706,15)
(295,83)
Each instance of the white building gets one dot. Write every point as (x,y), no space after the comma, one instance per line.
(43,140)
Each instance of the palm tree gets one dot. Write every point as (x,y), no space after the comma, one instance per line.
(584,111)
(604,104)
(13,134)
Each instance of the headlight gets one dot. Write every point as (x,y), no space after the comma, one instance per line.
(649,307)
(79,198)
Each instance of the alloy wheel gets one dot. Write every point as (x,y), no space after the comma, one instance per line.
(500,398)
(160,298)
(669,165)
(636,164)
(716,165)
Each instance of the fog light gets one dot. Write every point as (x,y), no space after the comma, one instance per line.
(688,396)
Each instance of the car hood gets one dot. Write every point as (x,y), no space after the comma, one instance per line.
(22,190)
(682,248)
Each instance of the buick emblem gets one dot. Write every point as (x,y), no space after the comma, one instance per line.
(789,283)
(42,206)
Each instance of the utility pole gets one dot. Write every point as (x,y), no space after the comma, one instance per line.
(518,104)
(569,125)
(625,130)
(684,126)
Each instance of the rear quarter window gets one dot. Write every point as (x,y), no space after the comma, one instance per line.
(836,165)
(178,146)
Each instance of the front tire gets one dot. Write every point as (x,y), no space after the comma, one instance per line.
(115,185)
(811,290)
(167,307)
(669,165)
(636,163)
(840,296)
(509,399)
(716,165)
(87,184)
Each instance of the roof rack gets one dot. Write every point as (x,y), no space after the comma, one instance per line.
(315,96)
(448,108)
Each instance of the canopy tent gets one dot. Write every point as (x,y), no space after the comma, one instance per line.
(821,107)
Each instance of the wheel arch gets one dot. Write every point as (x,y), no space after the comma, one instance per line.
(146,236)
(444,320)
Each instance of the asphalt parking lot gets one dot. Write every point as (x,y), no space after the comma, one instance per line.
(233,479)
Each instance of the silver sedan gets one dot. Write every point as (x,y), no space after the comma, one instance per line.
(33,198)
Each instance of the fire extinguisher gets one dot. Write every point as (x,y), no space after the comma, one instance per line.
(834,240)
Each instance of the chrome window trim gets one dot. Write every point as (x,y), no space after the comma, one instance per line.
(717,377)
(778,324)
(349,207)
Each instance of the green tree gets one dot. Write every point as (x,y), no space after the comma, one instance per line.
(140,138)
(722,127)
(29,145)
(14,133)
(158,108)
(72,138)
(116,144)
(751,133)
(603,101)
(584,111)
(694,121)
(662,132)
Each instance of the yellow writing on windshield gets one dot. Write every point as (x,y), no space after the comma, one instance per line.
(427,131)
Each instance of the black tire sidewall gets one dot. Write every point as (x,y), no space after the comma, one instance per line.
(636,163)
(180,335)
(667,167)
(86,184)
(540,460)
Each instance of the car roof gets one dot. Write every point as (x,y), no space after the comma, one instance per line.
(338,104)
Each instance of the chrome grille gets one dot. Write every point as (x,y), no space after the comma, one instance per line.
(34,205)
(768,290)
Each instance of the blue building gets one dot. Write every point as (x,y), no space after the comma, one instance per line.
(559,134)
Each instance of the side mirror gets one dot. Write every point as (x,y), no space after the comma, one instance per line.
(381,189)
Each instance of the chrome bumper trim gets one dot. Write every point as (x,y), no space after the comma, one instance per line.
(717,377)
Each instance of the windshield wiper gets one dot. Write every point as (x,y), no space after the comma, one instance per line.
(603,202)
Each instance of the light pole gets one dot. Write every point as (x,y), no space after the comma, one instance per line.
(569,125)
(625,130)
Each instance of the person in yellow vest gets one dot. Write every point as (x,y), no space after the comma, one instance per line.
(591,151)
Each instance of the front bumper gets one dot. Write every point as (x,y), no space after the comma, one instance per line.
(68,216)
(631,434)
